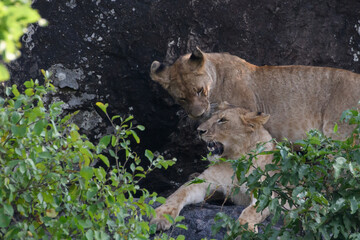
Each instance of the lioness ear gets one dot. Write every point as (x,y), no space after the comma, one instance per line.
(159,73)
(253,120)
(197,58)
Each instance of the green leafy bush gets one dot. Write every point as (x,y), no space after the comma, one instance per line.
(48,186)
(318,189)
(15,16)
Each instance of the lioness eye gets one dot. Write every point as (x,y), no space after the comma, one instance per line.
(200,91)
(182,100)
(222,120)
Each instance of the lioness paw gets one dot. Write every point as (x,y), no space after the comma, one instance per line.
(251,226)
(161,222)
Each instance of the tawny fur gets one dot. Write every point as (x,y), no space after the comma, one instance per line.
(298,98)
(239,131)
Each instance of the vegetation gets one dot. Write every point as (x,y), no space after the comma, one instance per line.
(317,188)
(48,186)
(15,16)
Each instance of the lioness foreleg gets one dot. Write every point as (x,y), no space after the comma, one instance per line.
(252,217)
(186,194)
(217,178)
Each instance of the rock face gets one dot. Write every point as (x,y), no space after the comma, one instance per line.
(102,50)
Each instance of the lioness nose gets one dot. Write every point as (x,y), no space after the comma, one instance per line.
(201,131)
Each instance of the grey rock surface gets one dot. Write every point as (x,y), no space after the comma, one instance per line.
(63,77)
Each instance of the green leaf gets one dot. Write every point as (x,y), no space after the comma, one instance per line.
(74,135)
(324,233)
(105,140)
(40,197)
(137,139)
(45,155)
(181,237)
(89,234)
(149,155)
(18,102)
(15,117)
(115,117)
(112,153)
(111,199)
(335,128)
(102,106)
(140,168)
(100,173)
(4,74)
(4,219)
(51,213)
(114,141)
(18,131)
(263,202)
(140,127)
(15,90)
(161,200)
(29,84)
(11,233)
(104,159)
(128,118)
(86,152)
(86,173)
(40,126)
(91,192)
(152,229)
(29,92)
(179,218)
(196,181)
(354,205)
(303,170)
(169,218)
(132,167)
(319,198)
(340,203)
(338,165)
(8,210)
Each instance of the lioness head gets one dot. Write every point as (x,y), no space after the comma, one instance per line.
(233,132)
(187,81)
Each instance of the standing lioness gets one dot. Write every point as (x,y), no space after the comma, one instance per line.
(299,98)
(229,134)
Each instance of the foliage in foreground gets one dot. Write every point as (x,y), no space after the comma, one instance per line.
(48,187)
(15,15)
(321,184)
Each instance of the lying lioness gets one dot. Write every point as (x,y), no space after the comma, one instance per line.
(298,98)
(229,134)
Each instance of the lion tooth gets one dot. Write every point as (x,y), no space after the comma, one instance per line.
(211,149)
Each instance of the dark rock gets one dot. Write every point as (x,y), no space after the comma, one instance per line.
(105,49)
(200,217)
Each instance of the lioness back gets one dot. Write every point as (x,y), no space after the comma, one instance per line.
(299,98)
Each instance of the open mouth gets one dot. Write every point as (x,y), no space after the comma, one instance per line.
(216,148)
